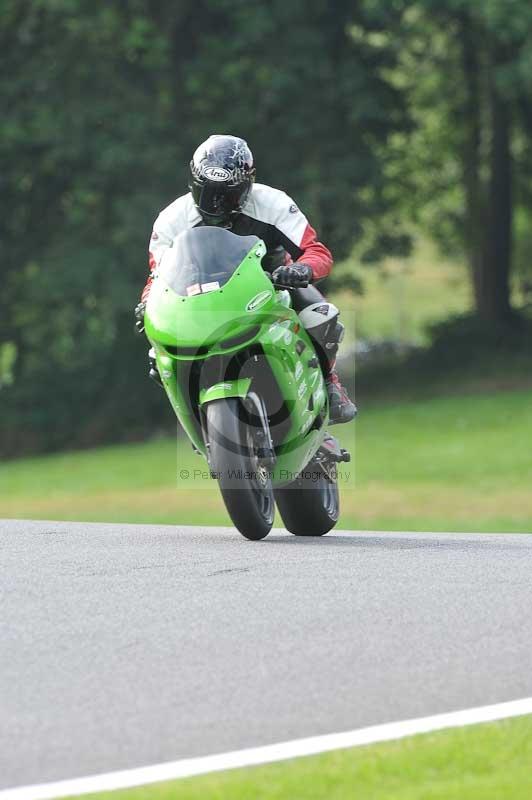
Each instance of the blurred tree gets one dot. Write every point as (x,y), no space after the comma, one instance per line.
(466,67)
(303,83)
(78,187)
(106,103)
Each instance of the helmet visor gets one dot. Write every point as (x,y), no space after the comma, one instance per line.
(218,201)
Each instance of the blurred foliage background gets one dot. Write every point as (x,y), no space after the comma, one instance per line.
(390,121)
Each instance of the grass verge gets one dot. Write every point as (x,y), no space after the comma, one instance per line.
(444,463)
(482,762)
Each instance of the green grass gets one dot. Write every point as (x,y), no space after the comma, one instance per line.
(483,762)
(445,463)
(402,296)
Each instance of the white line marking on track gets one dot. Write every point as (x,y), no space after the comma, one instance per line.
(253,756)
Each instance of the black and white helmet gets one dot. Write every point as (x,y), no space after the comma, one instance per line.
(221,177)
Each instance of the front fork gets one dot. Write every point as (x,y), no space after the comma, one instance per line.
(252,405)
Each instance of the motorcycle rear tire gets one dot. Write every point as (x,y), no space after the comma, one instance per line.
(309,506)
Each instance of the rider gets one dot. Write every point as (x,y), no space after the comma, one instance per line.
(223,192)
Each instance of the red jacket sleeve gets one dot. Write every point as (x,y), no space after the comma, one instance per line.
(152,264)
(315,254)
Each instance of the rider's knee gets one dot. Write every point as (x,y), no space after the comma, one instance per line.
(320,320)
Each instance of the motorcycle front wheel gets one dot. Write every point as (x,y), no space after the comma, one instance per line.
(244,484)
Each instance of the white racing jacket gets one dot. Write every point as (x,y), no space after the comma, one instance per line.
(267,213)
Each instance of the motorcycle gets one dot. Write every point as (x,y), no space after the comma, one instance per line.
(245,382)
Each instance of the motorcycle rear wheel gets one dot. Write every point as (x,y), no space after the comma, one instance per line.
(245,486)
(309,506)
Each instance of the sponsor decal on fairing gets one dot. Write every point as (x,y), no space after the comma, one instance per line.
(302,388)
(211,286)
(258,301)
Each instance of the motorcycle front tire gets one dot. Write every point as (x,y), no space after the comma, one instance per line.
(245,487)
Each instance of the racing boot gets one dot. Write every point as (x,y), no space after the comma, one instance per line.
(320,320)
(341,408)
(153,371)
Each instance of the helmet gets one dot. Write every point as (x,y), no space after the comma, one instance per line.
(221,177)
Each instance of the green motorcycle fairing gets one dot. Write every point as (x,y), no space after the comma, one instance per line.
(220,329)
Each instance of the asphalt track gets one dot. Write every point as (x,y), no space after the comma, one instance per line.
(127,645)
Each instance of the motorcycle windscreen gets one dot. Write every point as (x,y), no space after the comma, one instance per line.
(203,259)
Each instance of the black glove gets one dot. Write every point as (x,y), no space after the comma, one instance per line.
(139,317)
(295,275)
